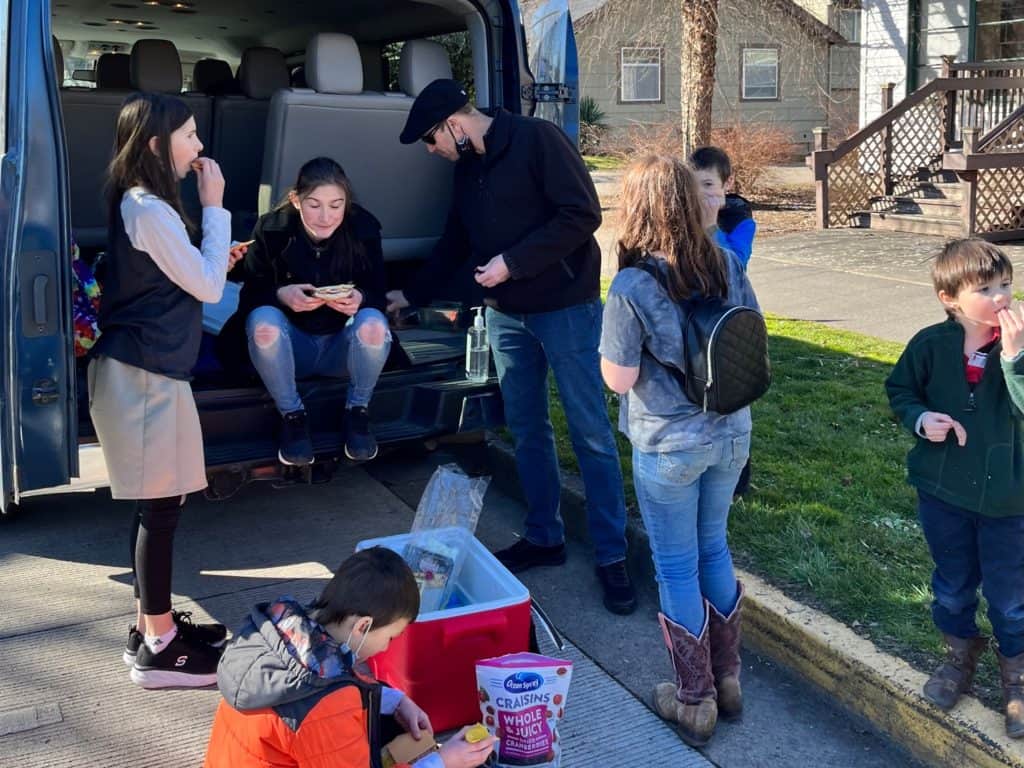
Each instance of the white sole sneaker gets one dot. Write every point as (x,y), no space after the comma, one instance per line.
(152,679)
(128,658)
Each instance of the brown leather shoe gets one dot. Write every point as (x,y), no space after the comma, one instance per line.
(1011,670)
(690,701)
(725,658)
(955,675)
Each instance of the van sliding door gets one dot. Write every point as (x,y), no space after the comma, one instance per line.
(553,65)
(38,440)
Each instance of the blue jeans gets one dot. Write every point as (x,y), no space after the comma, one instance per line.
(524,347)
(972,550)
(684,499)
(294,354)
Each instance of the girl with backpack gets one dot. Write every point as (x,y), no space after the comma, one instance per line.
(140,400)
(686,461)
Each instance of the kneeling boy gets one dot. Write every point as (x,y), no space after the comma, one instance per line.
(292,693)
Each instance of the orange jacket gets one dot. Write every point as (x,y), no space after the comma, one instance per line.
(291,698)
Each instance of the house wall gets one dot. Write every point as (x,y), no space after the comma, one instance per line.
(885,26)
(803,101)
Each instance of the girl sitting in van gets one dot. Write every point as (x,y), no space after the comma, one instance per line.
(140,401)
(685,462)
(317,238)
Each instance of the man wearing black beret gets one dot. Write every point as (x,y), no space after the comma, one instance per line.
(523,214)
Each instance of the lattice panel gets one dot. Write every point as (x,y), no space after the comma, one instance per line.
(917,138)
(1000,200)
(1010,140)
(853,180)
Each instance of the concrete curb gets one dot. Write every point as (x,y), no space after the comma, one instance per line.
(825,652)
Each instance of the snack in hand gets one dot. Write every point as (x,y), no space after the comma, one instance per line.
(334,292)
(477,733)
(197,165)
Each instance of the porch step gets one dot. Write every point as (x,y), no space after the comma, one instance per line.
(934,207)
(943,190)
(908,222)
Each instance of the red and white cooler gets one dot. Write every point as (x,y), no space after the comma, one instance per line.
(434,660)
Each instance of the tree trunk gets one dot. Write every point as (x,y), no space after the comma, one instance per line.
(700,33)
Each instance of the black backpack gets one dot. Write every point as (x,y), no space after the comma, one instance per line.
(725,363)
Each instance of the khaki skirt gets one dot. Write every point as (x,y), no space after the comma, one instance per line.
(148,428)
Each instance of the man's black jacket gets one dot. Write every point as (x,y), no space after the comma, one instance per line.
(529,198)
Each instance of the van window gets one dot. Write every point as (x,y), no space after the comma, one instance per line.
(460,53)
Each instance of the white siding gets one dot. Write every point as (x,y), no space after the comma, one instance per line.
(884,26)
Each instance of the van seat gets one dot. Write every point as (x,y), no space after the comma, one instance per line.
(112,71)
(405,187)
(240,125)
(421,63)
(156,67)
(213,77)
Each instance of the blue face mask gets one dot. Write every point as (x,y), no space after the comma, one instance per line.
(346,647)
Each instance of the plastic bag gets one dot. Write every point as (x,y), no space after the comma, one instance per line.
(451,498)
(446,518)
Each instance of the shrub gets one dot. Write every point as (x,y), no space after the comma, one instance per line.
(752,147)
(592,125)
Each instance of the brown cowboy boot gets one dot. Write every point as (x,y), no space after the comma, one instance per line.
(724,634)
(690,701)
(956,674)
(1012,672)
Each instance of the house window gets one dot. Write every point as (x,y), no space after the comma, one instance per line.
(848,23)
(760,73)
(641,74)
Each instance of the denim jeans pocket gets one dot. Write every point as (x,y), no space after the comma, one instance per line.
(740,451)
(683,467)
(583,327)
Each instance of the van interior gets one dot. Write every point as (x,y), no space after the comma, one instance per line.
(271,86)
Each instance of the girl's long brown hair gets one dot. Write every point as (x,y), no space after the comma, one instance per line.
(661,206)
(143,116)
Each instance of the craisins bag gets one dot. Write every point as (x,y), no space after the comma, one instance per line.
(522,700)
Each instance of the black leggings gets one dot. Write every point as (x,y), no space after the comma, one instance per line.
(152,550)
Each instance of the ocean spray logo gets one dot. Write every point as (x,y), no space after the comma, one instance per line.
(523,682)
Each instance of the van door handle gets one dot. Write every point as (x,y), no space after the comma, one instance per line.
(39,283)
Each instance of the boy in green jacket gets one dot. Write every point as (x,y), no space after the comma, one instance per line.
(959,387)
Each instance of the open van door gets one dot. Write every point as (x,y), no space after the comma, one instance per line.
(38,423)
(551,85)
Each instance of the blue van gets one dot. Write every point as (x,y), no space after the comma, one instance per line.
(269,89)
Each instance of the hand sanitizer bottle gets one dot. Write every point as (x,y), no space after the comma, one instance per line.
(478,352)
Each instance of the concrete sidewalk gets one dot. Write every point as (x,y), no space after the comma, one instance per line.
(862,280)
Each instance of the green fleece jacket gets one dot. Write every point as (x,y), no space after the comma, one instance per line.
(986,475)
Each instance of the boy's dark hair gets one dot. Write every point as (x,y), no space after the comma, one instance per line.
(712,159)
(374,582)
(966,262)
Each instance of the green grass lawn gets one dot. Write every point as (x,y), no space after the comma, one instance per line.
(831,519)
(603,162)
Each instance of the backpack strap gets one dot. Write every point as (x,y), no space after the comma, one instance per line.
(648,265)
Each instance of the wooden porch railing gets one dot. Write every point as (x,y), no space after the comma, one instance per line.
(970,122)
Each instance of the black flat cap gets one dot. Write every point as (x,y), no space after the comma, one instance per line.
(439,100)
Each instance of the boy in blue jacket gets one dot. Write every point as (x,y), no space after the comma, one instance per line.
(959,388)
(736,226)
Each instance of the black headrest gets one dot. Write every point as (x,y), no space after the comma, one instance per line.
(113,70)
(213,77)
(262,71)
(155,66)
(298,77)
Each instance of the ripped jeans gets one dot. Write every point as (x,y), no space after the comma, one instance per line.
(295,354)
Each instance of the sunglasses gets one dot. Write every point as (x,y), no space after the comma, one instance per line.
(428,137)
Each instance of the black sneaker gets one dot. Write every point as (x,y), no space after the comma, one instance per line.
(524,554)
(183,663)
(360,444)
(296,448)
(619,595)
(131,648)
(214,635)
